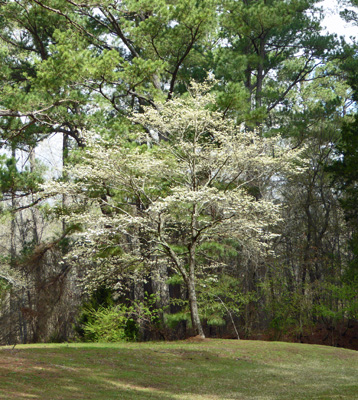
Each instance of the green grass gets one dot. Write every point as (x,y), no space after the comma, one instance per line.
(214,369)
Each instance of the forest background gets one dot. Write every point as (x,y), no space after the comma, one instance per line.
(208,181)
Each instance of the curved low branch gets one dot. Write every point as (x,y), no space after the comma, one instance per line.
(34,114)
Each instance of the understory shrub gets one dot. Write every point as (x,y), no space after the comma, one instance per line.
(114,323)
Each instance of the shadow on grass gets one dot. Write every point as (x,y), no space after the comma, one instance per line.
(175,372)
(104,374)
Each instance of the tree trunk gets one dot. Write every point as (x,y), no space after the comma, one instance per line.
(65,150)
(13,337)
(159,285)
(195,319)
(260,74)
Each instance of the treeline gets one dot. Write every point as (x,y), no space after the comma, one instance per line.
(208,180)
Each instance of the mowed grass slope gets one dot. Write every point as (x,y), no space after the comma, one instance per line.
(212,369)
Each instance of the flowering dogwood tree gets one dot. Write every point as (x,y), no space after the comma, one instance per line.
(165,192)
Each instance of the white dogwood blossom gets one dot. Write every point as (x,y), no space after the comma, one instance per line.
(163,193)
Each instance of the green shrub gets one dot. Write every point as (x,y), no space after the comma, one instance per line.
(101,298)
(113,324)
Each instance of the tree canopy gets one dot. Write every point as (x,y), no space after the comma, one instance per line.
(208,159)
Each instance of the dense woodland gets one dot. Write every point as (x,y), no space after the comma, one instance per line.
(208,183)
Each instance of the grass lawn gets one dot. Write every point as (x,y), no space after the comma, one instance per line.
(208,370)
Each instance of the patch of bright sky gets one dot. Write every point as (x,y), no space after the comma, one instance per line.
(333,23)
(49,153)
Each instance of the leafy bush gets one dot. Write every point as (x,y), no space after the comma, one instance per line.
(101,298)
(113,324)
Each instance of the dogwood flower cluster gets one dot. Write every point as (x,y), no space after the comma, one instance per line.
(185,180)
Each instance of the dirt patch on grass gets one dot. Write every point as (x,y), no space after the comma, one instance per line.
(344,355)
(13,363)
